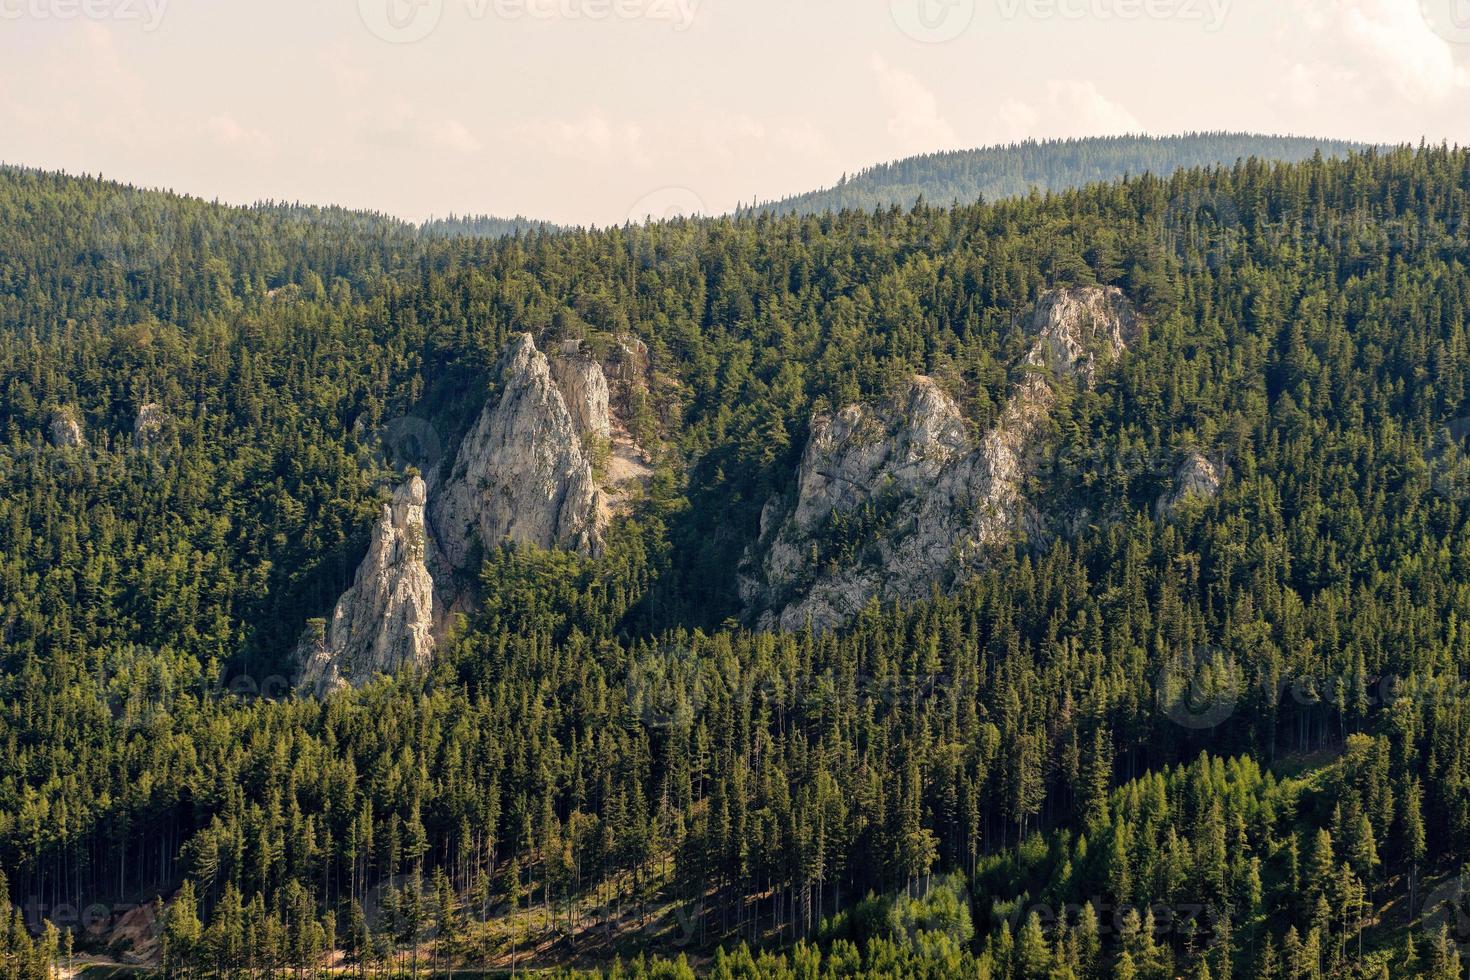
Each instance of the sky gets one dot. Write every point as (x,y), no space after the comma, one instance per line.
(601,111)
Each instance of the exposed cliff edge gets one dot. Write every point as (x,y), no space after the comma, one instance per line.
(148,425)
(1195,478)
(64,429)
(383,623)
(894,500)
(522,473)
(546,463)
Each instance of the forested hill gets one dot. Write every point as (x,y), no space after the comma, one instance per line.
(483,226)
(1215,733)
(131,227)
(965,176)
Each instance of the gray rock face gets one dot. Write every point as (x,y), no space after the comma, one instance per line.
(64,430)
(1194,478)
(383,623)
(1079,330)
(148,424)
(894,500)
(584,389)
(522,473)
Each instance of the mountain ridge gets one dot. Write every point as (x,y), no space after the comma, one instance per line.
(1014,169)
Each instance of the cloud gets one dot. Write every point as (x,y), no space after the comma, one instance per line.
(451,134)
(1363,47)
(736,136)
(593,138)
(347,75)
(226,131)
(727,135)
(90,86)
(400,124)
(1092,112)
(1066,108)
(914,120)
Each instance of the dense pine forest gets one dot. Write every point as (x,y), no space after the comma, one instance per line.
(1230,740)
(964,176)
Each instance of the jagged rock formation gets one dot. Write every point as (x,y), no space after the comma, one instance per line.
(522,473)
(894,500)
(1194,478)
(148,424)
(1079,330)
(64,429)
(383,622)
(583,387)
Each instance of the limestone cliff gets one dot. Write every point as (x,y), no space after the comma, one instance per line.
(1194,478)
(522,473)
(64,429)
(383,622)
(1080,330)
(148,425)
(893,500)
(583,387)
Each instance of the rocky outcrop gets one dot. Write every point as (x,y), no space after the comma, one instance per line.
(525,473)
(383,623)
(522,473)
(64,429)
(894,500)
(1195,478)
(583,388)
(602,396)
(148,425)
(1080,330)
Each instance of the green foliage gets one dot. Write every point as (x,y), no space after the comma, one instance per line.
(600,739)
(962,176)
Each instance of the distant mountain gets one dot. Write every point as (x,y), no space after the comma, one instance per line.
(965,176)
(790,596)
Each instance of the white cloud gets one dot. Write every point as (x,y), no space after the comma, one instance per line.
(400,124)
(727,135)
(228,132)
(347,75)
(452,135)
(802,139)
(1066,108)
(1091,112)
(1363,47)
(738,136)
(91,86)
(593,139)
(914,120)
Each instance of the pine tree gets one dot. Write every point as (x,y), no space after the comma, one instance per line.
(182,931)
(1413,838)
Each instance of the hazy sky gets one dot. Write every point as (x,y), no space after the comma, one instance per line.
(595,110)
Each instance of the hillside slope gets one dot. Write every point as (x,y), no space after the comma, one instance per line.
(994,172)
(1209,431)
